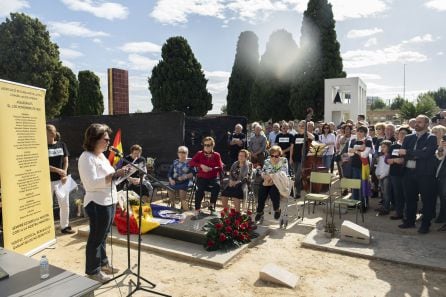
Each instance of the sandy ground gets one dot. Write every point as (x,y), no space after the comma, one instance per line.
(321,273)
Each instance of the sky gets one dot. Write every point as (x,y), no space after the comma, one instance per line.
(377,37)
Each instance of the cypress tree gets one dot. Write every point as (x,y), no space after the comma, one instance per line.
(90,101)
(177,81)
(243,74)
(73,91)
(271,90)
(319,59)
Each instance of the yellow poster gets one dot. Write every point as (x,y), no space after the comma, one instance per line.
(28,223)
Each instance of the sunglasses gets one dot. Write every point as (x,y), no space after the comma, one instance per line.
(207,145)
(275,156)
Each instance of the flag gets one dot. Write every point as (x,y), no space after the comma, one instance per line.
(117,144)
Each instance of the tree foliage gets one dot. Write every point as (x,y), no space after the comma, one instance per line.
(439,96)
(378,104)
(90,101)
(177,81)
(73,91)
(28,56)
(319,59)
(271,90)
(243,74)
(425,105)
(397,103)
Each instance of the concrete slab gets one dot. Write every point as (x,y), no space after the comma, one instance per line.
(276,274)
(181,249)
(416,250)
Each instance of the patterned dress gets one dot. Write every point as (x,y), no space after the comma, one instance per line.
(178,169)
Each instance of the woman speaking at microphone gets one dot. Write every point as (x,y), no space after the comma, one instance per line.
(96,175)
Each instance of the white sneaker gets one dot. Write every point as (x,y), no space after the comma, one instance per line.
(100,277)
(107,269)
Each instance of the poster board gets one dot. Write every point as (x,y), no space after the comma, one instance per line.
(28,223)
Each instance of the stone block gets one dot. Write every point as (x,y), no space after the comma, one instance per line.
(276,274)
(354,233)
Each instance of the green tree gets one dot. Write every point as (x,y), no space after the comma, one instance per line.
(243,74)
(408,110)
(425,105)
(319,59)
(439,97)
(397,103)
(177,81)
(90,101)
(28,56)
(224,109)
(378,104)
(271,90)
(73,91)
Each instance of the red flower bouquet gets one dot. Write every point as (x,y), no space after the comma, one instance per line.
(229,231)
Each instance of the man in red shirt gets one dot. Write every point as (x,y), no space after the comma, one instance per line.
(209,166)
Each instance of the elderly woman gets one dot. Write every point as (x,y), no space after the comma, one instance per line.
(180,175)
(96,175)
(439,131)
(209,166)
(274,164)
(239,175)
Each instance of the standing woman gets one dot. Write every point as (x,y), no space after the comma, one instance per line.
(209,166)
(58,157)
(96,175)
(239,175)
(329,139)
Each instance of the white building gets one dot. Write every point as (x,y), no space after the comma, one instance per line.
(345,98)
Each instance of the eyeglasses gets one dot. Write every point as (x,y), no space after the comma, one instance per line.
(182,152)
(107,139)
(207,145)
(275,156)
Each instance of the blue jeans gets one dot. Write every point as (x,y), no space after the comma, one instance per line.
(397,193)
(101,218)
(356,173)
(326,159)
(384,183)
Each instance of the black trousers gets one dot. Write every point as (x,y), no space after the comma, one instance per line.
(273,193)
(208,185)
(101,218)
(425,185)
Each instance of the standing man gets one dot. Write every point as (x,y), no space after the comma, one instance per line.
(257,147)
(237,141)
(284,140)
(273,134)
(419,177)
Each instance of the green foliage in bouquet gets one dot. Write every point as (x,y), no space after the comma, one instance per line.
(229,231)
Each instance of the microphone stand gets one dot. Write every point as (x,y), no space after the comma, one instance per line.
(128,271)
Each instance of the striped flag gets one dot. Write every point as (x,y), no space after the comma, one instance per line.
(117,144)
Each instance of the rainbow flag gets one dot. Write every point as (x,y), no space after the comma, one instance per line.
(112,158)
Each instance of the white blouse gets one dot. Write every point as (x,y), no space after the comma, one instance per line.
(92,170)
(331,138)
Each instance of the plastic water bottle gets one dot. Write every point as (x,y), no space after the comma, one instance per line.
(44,268)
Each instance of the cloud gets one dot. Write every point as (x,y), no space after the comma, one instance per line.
(73,29)
(141,47)
(178,11)
(363,33)
(365,76)
(141,63)
(391,92)
(439,5)
(371,42)
(440,53)
(67,53)
(106,10)
(421,39)
(218,86)
(8,6)
(97,40)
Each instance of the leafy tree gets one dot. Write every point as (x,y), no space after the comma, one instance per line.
(178,82)
(28,56)
(408,110)
(90,101)
(73,91)
(243,74)
(397,103)
(319,59)
(439,97)
(425,105)
(271,90)
(378,104)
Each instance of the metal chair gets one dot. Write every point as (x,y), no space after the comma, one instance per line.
(349,183)
(319,178)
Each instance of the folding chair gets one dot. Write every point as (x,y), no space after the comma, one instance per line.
(349,183)
(319,178)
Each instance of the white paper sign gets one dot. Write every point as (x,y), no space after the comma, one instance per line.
(299,140)
(284,140)
(396,152)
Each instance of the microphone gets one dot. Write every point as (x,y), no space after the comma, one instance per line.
(116,151)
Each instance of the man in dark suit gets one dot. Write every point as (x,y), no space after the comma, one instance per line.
(419,176)
(441,184)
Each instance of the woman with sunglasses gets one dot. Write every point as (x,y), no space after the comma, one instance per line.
(96,175)
(329,139)
(180,175)
(273,164)
(209,167)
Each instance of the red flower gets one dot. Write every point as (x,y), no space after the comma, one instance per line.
(235,233)
(249,213)
(225,209)
(228,229)
(228,222)
(222,237)
(232,214)
(211,243)
(218,226)
(232,210)
(243,226)
(222,214)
